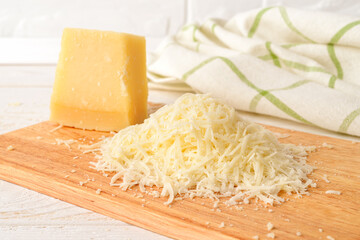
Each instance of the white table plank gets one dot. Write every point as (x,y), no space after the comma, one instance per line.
(25,213)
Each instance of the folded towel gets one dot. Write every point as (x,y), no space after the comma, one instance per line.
(288,63)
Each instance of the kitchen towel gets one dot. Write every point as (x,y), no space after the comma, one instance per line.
(289,63)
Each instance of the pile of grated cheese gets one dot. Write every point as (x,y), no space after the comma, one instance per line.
(201,147)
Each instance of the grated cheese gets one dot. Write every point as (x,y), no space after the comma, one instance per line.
(199,147)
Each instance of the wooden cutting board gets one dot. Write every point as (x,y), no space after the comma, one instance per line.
(38,163)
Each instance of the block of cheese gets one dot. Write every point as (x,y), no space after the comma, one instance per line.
(100,80)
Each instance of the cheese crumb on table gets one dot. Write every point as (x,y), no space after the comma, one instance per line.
(15,104)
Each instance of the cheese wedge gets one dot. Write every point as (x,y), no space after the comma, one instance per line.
(100,80)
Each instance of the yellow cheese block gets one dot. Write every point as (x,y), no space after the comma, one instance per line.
(100,80)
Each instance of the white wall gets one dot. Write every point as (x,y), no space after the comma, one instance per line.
(152,18)
(24,22)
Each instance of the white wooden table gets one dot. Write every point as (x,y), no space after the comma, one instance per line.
(25,90)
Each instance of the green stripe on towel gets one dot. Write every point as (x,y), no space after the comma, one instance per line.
(331,49)
(302,67)
(270,97)
(286,19)
(256,22)
(342,31)
(332,82)
(334,59)
(256,99)
(348,120)
(273,55)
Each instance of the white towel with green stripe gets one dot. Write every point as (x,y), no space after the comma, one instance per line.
(283,62)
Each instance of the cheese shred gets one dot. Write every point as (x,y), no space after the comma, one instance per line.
(200,147)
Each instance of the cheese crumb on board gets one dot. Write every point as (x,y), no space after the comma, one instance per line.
(10,148)
(330,238)
(222,225)
(298,234)
(256,237)
(67,143)
(200,147)
(325,178)
(333,192)
(281,135)
(57,128)
(271,235)
(326,145)
(98,191)
(269,226)
(321,230)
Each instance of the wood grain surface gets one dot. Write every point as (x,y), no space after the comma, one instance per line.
(38,163)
